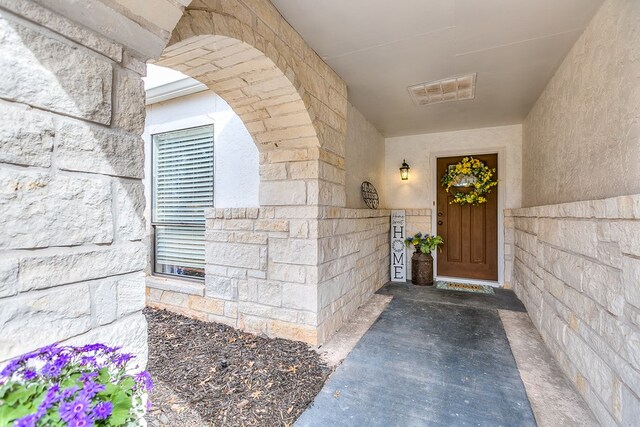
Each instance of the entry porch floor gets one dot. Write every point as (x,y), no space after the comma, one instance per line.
(443,358)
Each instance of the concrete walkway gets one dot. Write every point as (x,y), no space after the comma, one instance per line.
(433,357)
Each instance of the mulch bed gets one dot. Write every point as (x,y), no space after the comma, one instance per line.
(208,374)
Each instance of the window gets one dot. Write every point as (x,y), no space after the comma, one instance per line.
(182,189)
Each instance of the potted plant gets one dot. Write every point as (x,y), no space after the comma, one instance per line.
(422,260)
(92,385)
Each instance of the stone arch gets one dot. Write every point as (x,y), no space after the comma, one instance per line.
(252,84)
(292,103)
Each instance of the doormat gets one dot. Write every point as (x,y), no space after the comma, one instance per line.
(465,287)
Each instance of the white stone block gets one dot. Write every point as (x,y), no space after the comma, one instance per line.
(293,251)
(233,255)
(57,267)
(89,148)
(130,206)
(40,210)
(128,109)
(26,136)
(221,287)
(131,295)
(8,277)
(300,297)
(269,292)
(39,318)
(129,332)
(281,193)
(104,301)
(53,75)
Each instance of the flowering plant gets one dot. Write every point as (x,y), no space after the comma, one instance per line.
(470,174)
(424,243)
(72,386)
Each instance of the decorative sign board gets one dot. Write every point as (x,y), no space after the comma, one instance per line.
(398,248)
(369,195)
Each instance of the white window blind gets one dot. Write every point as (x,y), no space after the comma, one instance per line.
(182,189)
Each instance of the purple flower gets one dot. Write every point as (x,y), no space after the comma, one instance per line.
(102,410)
(76,409)
(68,393)
(26,421)
(87,360)
(51,397)
(81,422)
(91,389)
(50,350)
(122,359)
(10,368)
(29,374)
(91,347)
(51,370)
(145,380)
(88,376)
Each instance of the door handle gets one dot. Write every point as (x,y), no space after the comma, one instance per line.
(439,222)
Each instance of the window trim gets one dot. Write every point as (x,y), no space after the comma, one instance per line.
(153,224)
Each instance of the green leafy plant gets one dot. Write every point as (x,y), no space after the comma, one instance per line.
(425,243)
(72,386)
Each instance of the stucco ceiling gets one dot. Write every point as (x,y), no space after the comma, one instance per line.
(380,47)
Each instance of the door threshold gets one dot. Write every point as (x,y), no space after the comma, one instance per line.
(492,283)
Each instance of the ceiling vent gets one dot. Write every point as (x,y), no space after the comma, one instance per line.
(456,88)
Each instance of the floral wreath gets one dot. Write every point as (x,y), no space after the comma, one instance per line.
(470,174)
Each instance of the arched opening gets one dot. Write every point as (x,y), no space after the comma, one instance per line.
(74,195)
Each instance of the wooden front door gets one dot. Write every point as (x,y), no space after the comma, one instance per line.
(470,233)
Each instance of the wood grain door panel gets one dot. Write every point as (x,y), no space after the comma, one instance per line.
(470,233)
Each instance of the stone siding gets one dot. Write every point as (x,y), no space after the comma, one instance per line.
(292,103)
(72,254)
(284,271)
(576,267)
(353,263)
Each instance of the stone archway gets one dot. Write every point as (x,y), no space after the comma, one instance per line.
(291,102)
(72,244)
(262,264)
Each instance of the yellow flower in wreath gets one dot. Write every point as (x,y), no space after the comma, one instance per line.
(458,177)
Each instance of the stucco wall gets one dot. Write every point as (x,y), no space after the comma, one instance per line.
(236,171)
(420,152)
(364,158)
(582,137)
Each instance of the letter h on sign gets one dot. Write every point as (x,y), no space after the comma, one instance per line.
(398,249)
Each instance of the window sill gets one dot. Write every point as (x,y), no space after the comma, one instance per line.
(175,285)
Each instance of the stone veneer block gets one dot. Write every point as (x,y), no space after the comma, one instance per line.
(234,255)
(41,210)
(22,318)
(128,111)
(575,271)
(131,294)
(55,267)
(283,193)
(53,75)
(26,136)
(87,148)
(130,205)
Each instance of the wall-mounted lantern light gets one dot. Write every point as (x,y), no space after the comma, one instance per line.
(404,171)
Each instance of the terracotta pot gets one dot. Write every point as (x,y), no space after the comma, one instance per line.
(422,269)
